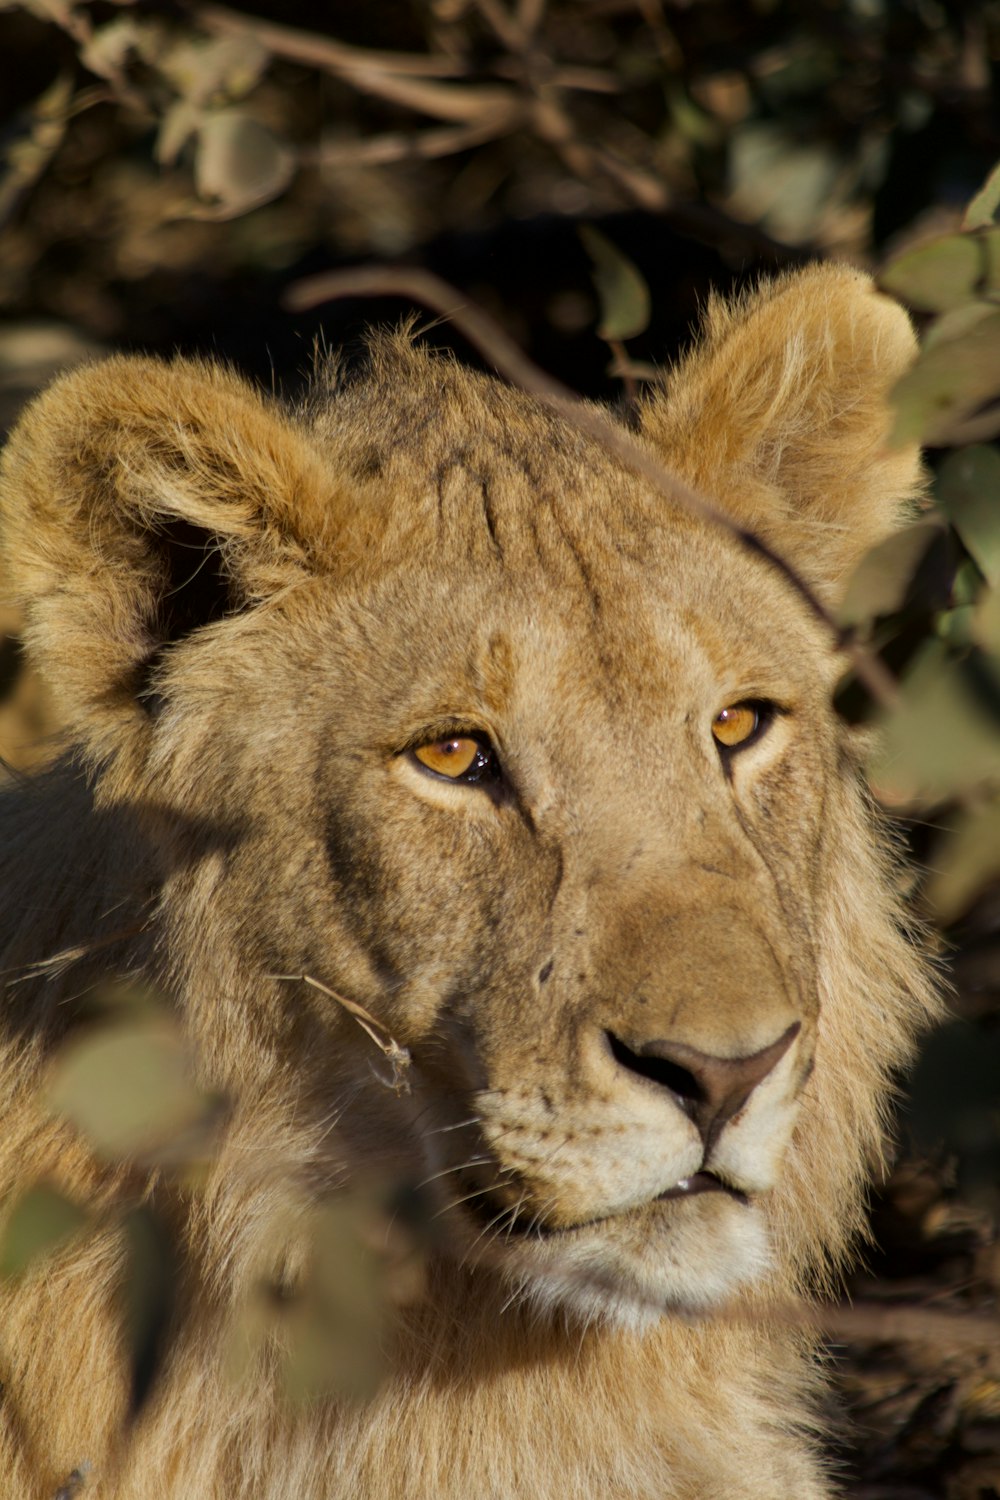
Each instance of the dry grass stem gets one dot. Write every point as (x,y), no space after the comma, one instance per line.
(399,1057)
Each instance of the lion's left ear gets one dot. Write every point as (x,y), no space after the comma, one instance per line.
(780,415)
(140,504)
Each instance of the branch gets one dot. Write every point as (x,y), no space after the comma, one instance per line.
(888,1322)
(411,145)
(489,338)
(324,52)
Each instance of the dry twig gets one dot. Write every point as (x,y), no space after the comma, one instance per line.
(325,52)
(399,1057)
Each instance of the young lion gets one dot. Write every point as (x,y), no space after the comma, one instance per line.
(424,694)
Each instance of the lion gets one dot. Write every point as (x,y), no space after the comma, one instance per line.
(422,699)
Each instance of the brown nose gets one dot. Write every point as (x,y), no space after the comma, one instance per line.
(710,1090)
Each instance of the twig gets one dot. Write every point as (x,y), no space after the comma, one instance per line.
(405,145)
(553,125)
(506,28)
(873,1322)
(324,52)
(489,338)
(530,15)
(399,1057)
(560,75)
(441,101)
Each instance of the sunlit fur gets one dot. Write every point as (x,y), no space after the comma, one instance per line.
(249,619)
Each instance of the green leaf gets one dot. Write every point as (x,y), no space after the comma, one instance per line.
(879,584)
(690,120)
(239,163)
(983,206)
(969,860)
(129,1089)
(941,400)
(936,276)
(623,293)
(968,490)
(941,739)
(958,626)
(41,1220)
(959,321)
(334,1327)
(967,584)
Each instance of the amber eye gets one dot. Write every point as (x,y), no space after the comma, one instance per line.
(735,725)
(459,758)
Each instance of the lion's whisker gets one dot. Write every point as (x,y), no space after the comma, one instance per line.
(473,1161)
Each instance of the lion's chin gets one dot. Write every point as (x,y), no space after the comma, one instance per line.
(633,1270)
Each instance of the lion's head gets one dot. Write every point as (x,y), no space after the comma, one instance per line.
(422,693)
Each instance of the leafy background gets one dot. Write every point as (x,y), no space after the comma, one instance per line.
(584,170)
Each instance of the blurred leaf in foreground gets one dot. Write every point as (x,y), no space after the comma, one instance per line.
(968,491)
(205,70)
(946,397)
(964,864)
(982,208)
(987,622)
(334,1327)
(881,581)
(362,1255)
(40,1221)
(937,276)
(941,739)
(128,1087)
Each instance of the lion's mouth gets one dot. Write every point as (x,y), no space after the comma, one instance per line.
(701,1182)
(516,1221)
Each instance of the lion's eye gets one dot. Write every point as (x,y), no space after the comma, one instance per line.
(738,724)
(459,758)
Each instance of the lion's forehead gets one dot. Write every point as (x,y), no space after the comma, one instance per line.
(605,614)
(478,515)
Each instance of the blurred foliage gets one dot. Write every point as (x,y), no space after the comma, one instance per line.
(39,1222)
(128,1087)
(150,147)
(168,171)
(125,1082)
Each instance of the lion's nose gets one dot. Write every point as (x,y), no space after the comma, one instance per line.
(710,1090)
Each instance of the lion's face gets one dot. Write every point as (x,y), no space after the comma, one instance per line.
(544,868)
(595,939)
(483,734)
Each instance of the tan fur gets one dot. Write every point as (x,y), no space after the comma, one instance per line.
(249,619)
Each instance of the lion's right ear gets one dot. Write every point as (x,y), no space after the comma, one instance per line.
(781,415)
(139,502)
